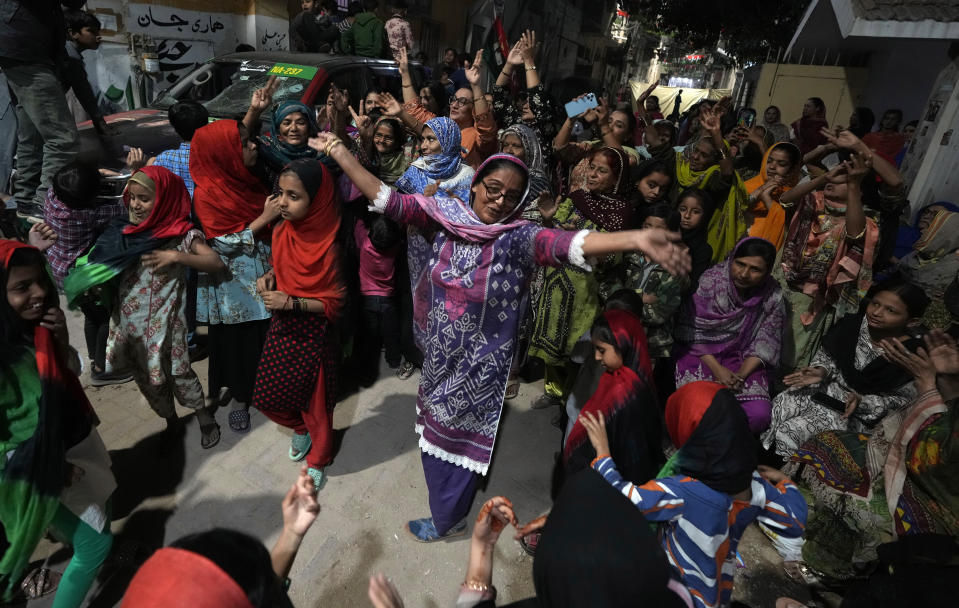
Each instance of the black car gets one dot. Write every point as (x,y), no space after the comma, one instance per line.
(224,85)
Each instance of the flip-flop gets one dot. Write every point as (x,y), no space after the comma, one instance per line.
(319,477)
(209,435)
(40,582)
(240,421)
(299,447)
(530,542)
(512,391)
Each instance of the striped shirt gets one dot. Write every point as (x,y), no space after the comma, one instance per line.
(702,527)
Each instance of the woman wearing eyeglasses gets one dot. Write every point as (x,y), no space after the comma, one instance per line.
(468,108)
(571,297)
(470,263)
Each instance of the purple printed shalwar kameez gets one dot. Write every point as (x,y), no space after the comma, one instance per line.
(719,322)
(468,281)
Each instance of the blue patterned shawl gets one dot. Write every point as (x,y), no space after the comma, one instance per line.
(447,167)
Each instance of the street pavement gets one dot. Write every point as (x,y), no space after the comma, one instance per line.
(375,486)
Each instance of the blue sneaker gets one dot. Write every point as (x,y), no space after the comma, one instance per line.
(424,531)
(299,446)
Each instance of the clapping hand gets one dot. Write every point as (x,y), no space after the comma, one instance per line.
(529,46)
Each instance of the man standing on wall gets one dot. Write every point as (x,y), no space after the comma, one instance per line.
(31,50)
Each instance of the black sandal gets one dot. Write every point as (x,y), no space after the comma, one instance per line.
(209,435)
(240,420)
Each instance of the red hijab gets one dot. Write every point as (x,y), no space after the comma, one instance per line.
(177,577)
(305,257)
(227,196)
(170,216)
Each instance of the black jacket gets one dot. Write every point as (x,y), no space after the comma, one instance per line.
(33,31)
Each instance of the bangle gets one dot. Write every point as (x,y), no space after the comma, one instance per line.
(474,585)
(332,144)
(531,68)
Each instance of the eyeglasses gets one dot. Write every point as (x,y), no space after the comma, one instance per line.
(384,138)
(460,101)
(495,192)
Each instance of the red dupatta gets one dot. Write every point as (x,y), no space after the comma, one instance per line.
(227,196)
(305,258)
(170,216)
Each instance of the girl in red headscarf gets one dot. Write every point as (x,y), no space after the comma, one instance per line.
(138,266)
(296,379)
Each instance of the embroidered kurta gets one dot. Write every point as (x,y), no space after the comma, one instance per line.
(467,295)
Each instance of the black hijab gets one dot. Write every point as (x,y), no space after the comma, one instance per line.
(879,376)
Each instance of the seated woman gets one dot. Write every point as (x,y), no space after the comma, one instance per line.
(934,263)
(867,487)
(440,163)
(570,299)
(909,234)
(709,491)
(849,385)
(780,171)
(731,330)
(706,164)
(827,258)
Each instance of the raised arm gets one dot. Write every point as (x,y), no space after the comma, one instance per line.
(474,75)
(641,102)
(261,100)
(856,170)
(847,140)
(529,50)
(514,59)
(709,118)
(403,63)
(333,146)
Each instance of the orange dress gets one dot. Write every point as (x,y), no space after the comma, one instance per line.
(770,224)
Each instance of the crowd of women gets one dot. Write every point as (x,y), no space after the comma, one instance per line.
(715,297)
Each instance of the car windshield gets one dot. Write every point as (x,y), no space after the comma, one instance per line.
(225,88)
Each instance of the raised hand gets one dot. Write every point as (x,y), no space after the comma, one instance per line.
(709,119)
(403,62)
(341,98)
(857,167)
(495,514)
(391,107)
(805,377)
(475,72)
(843,138)
(262,98)
(515,56)
(648,91)
(321,141)
(136,159)
(364,123)
(836,175)
(530,47)
(602,111)
(299,506)
(663,248)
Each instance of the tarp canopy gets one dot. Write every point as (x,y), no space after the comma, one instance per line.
(667,96)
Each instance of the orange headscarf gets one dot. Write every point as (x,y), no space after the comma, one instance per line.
(770,224)
(227,196)
(305,257)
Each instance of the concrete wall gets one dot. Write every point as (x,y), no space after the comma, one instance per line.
(183,33)
(901,74)
(788,86)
